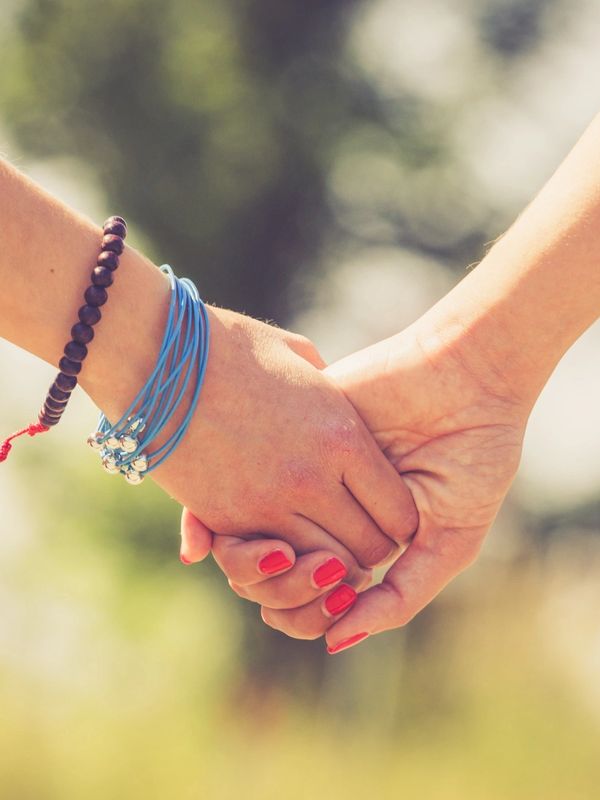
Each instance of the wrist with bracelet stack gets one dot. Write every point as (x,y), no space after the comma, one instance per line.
(125,447)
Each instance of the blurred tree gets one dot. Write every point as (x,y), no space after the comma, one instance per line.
(213,125)
(206,123)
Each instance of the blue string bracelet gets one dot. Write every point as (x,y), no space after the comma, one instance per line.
(126,446)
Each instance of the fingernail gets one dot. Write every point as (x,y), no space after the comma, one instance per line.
(358,637)
(274,562)
(183,559)
(329,572)
(340,599)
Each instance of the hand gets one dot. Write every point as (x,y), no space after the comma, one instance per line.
(445,419)
(275,447)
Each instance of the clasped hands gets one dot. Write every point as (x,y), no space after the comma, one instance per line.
(305,477)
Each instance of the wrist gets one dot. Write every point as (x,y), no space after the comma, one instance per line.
(480,333)
(128,339)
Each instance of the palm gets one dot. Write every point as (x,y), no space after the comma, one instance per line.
(457,444)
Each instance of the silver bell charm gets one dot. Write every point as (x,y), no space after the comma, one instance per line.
(136,425)
(110,465)
(133,477)
(140,464)
(93,441)
(128,444)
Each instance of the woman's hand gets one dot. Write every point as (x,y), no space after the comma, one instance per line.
(275,448)
(454,432)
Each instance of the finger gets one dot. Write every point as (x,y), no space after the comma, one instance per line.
(305,348)
(312,576)
(196,538)
(246,562)
(381,491)
(339,513)
(312,620)
(309,537)
(409,585)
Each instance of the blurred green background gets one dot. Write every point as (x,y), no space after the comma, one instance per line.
(334,166)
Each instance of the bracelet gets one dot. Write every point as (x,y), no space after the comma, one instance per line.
(125,446)
(82,333)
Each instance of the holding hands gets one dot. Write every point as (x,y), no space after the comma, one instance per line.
(454,436)
(447,401)
(299,476)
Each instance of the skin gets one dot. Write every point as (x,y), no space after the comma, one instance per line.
(448,402)
(457,444)
(274,445)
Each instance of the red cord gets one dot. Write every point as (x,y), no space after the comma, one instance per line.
(6,445)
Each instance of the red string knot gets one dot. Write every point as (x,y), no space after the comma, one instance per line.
(31,430)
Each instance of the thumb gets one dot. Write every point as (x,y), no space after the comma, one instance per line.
(196,538)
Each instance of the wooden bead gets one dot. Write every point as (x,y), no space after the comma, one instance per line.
(52,405)
(108,259)
(82,333)
(90,315)
(95,296)
(113,243)
(102,276)
(65,383)
(114,218)
(49,412)
(76,351)
(116,229)
(48,421)
(57,394)
(69,367)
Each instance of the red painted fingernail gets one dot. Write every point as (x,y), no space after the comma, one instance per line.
(274,562)
(358,637)
(340,599)
(329,572)
(183,559)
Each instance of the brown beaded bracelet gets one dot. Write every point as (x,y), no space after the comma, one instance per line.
(82,332)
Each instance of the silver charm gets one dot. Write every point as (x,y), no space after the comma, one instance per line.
(110,464)
(112,442)
(128,444)
(133,477)
(93,441)
(136,425)
(140,464)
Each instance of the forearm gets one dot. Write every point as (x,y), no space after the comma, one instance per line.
(47,256)
(538,289)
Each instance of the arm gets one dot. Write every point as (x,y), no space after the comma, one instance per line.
(273,446)
(538,289)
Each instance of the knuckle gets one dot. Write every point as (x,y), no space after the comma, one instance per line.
(310,631)
(296,625)
(304,625)
(278,601)
(340,439)
(298,478)
(378,552)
